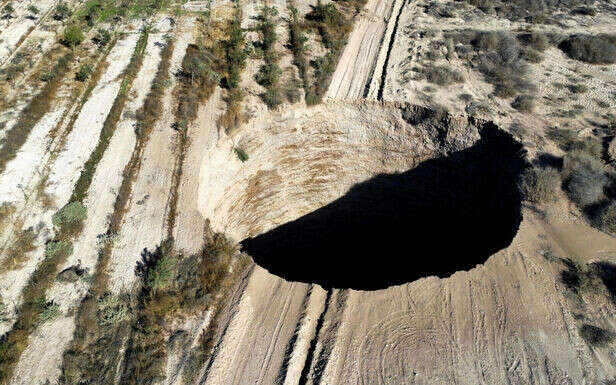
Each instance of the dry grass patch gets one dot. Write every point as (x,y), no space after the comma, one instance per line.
(594,49)
(540,185)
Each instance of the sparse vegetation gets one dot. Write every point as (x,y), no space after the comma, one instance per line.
(499,57)
(540,184)
(85,178)
(269,73)
(191,284)
(594,49)
(537,12)
(441,75)
(333,23)
(99,332)
(236,51)
(40,104)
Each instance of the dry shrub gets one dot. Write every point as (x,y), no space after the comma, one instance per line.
(501,60)
(18,249)
(524,103)
(442,75)
(596,336)
(537,40)
(584,178)
(577,88)
(605,219)
(595,49)
(540,185)
(234,115)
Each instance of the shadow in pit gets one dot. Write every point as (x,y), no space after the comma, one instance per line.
(446,214)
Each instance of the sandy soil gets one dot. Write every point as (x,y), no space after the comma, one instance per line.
(144,225)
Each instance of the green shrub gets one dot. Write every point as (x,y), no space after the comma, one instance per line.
(8,11)
(595,49)
(160,275)
(58,249)
(584,178)
(85,70)
(111,310)
(70,218)
(61,12)
(540,185)
(596,336)
(102,38)
(241,154)
(236,52)
(267,28)
(33,10)
(49,310)
(72,36)
(268,75)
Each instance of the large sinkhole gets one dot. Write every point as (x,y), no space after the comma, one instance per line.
(449,211)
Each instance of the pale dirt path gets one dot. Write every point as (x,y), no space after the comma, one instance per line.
(359,70)
(253,349)
(144,224)
(189,223)
(66,169)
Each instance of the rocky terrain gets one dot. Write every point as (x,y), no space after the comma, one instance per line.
(307,192)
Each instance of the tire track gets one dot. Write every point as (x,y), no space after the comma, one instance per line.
(389,49)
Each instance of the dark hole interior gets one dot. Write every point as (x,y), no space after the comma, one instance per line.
(445,215)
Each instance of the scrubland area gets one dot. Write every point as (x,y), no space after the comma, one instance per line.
(305,192)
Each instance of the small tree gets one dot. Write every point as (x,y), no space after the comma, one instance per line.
(73,36)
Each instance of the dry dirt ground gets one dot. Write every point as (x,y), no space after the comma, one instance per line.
(509,319)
